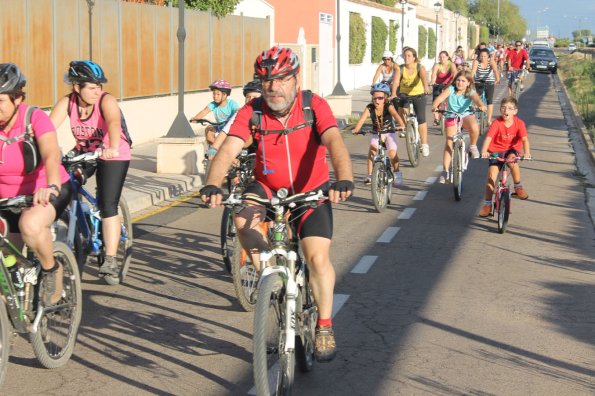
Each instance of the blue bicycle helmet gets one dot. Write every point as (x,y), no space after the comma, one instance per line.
(85,71)
(380,87)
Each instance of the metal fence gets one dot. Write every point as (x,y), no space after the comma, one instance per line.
(136,44)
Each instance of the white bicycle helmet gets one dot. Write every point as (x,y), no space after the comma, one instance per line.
(387,54)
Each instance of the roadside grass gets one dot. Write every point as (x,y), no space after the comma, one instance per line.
(579,79)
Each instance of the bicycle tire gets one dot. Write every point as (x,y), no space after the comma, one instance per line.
(5,330)
(269,327)
(227,238)
(379,187)
(482,123)
(124,256)
(61,323)
(516,92)
(78,248)
(457,170)
(308,314)
(442,125)
(244,277)
(412,144)
(503,211)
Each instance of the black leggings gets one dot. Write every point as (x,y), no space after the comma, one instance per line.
(110,180)
(489,91)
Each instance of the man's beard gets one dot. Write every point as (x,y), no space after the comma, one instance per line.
(280,109)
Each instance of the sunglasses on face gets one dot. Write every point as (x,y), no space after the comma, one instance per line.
(378,97)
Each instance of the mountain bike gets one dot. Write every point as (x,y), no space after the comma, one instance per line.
(52,330)
(84,233)
(285,315)
(482,116)
(237,262)
(516,84)
(460,156)
(412,137)
(502,192)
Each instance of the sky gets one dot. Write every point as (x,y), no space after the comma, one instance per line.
(561,16)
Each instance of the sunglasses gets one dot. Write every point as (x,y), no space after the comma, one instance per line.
(386,59)
(378,97)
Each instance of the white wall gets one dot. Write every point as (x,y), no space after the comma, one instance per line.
(257,9)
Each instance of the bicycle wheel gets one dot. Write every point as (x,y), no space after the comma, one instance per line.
(5,329)
(516,89)
(124,246)
(457,170)
(53,341)
(270,359)
(76,245)
(412,143)
(503,211)
(227,237)
(308,315)
(244,276)
(379,187)
(483,121)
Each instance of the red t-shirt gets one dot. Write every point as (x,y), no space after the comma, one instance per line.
(505,138)
(296,161)
(516,59)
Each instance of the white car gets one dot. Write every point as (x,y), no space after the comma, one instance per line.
(571,47)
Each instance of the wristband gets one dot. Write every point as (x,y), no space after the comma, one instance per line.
(54,187)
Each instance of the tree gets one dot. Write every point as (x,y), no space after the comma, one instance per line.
(219,8)
(379,33)
(392,36)
(390,3)
(431,43)
(357,38)
(422,37)
(461,6)
(510,25)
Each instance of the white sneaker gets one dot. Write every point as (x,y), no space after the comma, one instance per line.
(444,178)
(398,179)
(474,151)
(425,150)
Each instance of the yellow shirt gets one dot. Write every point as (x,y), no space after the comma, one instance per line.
(411,84)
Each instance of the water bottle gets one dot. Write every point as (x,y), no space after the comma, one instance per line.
(10,262)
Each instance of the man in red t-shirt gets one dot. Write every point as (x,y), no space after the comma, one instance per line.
(506,138)
(518,61)
(290,154)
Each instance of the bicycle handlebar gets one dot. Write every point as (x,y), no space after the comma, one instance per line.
(509,160)
(20,201)
(311,196)
(70,157)
(203,121)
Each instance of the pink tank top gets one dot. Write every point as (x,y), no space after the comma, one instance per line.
(91,133)
(444,78)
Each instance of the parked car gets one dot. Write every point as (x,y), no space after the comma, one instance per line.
(543,59)
(541,43)
(571,47)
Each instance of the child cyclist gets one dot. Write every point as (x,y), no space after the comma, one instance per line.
(506,136)
(382,112)
(459,96)
(222,108)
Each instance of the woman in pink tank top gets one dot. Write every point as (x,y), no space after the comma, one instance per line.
(443,73)
(48,179)
(98,124)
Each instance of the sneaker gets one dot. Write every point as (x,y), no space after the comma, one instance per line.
(485,211)
(522,87)
(109,266)
(52,286)
(425,150)
(520,193)
(402,134)
(325,347)
(368,179)
(474,151)
(398,179)
(444,178)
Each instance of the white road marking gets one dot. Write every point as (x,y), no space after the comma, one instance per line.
(407,213)
(338,301)
(420,195)
(364,265)
(431,180)
(388,235)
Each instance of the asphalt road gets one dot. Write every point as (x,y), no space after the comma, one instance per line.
(439,303)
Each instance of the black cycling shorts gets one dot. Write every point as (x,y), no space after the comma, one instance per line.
(489,91)
(309,222)
(110,180)
(419,105)
(59,203)
(494,161)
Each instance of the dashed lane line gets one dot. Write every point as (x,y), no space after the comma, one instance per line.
(364,265)
(388,235)
(431,180)
(420,195)
(407,213)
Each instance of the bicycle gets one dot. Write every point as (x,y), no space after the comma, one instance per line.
(84,224)
(412,138)
(442,106)
(482,116)
(460,156)
(285,314)
(516,84)
(52,330)
(204,121)
(502,192)
(237,261)
(382,171)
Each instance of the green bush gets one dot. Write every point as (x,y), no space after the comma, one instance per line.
(357,38)
(422,37)
(484,34)
(472,32)
(431,43)
(379,34)
(579,79)
(392,35)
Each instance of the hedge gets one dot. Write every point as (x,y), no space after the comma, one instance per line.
(422,36)
(472,32)
(379,34)
(484,34)
(357,38)
(392,36)
(432,41)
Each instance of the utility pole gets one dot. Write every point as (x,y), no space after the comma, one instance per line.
(90,5)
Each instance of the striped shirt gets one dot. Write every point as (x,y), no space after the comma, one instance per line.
(484,74)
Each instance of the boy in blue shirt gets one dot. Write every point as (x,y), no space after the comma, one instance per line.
(221,107)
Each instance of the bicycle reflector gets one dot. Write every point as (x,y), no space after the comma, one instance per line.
(3,227)
(79,175)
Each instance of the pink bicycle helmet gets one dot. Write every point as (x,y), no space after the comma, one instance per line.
(222,86)
(276,63)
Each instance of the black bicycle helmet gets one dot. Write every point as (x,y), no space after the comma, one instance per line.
(85,71)
(11,78)
(253,86)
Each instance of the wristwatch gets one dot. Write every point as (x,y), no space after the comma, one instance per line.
(54,187)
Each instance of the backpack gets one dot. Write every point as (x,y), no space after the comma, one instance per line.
(31,156)
(309,117)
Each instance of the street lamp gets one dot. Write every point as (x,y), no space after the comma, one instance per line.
(437,9)
(402,2)
(457,15)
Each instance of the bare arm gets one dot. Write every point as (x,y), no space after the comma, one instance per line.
(474,67)
(50,155)
(396,81)
(495,69)
(111,113)
(201,114)
(478,102)
(484,147)
(424,79)
(59,112)
(231,147)
(434,73)
(377,74)
(393,112)
(440,98)
(526,148)
(361,121)
(340,159)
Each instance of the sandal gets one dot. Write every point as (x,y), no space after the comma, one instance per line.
(436,123)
